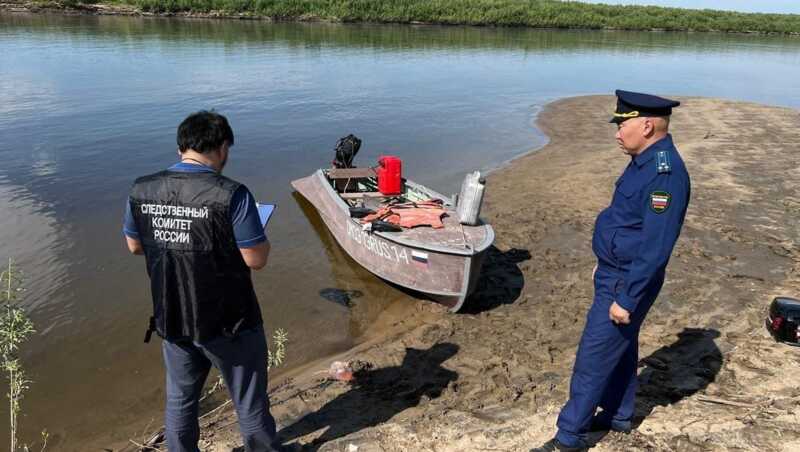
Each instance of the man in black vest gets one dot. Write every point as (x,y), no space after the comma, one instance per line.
(201,235)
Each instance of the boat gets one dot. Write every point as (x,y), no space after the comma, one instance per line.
(441,264)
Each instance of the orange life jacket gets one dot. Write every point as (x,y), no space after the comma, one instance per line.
(409,215)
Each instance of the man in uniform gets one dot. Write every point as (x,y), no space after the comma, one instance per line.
(633,239)
(200,234)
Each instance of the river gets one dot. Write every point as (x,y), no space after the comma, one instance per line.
(89,103)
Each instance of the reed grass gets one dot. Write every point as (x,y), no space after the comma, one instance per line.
(526,13)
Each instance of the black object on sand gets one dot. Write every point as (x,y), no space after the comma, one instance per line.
(783,320)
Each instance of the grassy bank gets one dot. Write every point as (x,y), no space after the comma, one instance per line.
(528,13)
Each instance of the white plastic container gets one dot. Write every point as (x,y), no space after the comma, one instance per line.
(471,198)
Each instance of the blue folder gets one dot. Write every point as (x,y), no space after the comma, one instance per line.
(265,213)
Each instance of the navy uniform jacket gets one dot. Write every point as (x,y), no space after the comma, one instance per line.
(635,235)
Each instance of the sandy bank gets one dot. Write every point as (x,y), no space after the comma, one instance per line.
(495,378)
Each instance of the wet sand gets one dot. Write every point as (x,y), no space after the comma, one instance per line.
(494,378)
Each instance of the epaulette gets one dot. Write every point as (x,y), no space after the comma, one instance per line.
(663,164)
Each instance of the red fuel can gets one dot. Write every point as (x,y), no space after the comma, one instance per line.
(390,175)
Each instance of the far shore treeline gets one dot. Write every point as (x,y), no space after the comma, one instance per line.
(523,13)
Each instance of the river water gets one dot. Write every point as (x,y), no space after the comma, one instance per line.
(89,103)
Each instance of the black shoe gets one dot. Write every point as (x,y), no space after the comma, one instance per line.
(602,425)
(554,446)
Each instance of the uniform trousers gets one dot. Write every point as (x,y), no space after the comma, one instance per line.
(242,362)
(605,365)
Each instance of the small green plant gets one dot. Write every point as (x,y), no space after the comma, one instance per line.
(280,338)
(15,328)
(45,437)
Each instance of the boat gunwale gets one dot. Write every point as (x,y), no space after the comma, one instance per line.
(469,252)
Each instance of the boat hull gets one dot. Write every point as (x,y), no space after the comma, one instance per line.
(446,278)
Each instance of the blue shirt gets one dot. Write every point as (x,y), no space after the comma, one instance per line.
(247,227)
(636,233)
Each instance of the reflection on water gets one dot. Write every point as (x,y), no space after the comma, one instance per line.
(89,103)
(34,240)
(230,34)
(355,288)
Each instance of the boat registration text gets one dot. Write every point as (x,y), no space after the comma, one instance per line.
(377,245)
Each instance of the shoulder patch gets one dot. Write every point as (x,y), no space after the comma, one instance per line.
(659,201)
(663,164)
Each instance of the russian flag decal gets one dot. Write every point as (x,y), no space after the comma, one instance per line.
(419,257)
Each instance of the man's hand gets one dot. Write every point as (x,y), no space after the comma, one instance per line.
(134,246)
(618,314)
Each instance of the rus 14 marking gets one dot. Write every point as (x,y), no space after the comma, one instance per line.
(376,245)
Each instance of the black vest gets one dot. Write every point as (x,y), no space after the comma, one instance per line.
(200,283)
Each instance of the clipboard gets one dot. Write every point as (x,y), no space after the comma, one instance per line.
(265,213)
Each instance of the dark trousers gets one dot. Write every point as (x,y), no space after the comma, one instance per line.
(605,365)
(242,361)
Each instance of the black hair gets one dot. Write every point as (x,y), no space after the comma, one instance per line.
(204,131)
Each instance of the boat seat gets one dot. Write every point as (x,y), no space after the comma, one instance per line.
(350,173)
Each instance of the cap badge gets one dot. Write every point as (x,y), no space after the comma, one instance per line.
(630,114)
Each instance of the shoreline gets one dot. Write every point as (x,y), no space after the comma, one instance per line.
(101,9)
(494,378)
